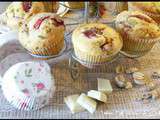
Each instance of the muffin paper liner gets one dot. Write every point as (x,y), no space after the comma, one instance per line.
(91,61)
(34,100)
(154,16)
(50,49)
(27,103)
(136,46)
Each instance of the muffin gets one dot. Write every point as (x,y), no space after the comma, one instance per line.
(139,32)
(17,12)
(96,43)
(43,34)
(151,9)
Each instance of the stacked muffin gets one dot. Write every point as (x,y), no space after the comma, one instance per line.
(18,11)
(96,43)
(43,34)
(151,9)
(139,32)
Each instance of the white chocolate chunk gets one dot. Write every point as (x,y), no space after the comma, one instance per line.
(87,103)
(104,85)
(97,95)
(71,102)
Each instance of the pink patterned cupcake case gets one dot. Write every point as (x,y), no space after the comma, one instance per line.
(28,85)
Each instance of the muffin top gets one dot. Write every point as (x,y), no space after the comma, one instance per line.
(97,39)
(24,9)
(42,28)
(153,7)
(137,24)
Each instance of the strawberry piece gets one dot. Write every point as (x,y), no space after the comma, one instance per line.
(106,46)
(89,33)
(93,32)
(27,6)
(39,22)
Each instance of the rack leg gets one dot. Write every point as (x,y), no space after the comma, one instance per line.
(73,68)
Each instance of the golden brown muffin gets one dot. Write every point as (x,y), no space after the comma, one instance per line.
(139,31)
(43,34)
(152,9)
(96,42)
(17,12)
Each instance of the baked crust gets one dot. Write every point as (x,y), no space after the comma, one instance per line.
(138,25)
(43,34)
